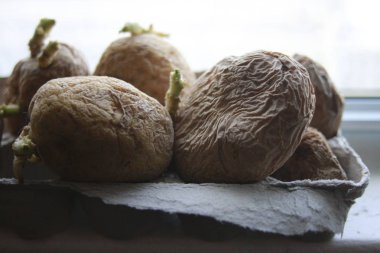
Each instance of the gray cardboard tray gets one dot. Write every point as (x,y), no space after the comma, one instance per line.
(286,208)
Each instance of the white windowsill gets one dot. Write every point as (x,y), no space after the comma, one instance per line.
(361,114)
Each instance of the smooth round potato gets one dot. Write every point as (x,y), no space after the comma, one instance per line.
(243,119)
(100,129)
(144,61)
(27,77)
(329,104)
(313,159)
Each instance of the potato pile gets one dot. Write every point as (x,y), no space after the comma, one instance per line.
(246,118)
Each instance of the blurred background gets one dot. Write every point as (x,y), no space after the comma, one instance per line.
(342,35)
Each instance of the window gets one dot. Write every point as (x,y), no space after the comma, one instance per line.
(342,35)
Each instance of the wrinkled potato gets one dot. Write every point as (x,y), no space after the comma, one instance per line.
(329,104)
(96,129)
(54,61)
(243,119)
(144,60)
(313,159)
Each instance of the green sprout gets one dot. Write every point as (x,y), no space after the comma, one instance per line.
(47,56)
(43,29)
(172,95)
(24,150)
(9,110)
(135,29)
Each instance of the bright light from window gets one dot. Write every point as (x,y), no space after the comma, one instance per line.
(342,35)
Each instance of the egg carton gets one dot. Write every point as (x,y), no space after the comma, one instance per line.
(271,206)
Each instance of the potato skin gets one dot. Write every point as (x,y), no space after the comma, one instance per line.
(243,119)
(144,61)
(312,160)
(27,77)
(100,129)
(329,104)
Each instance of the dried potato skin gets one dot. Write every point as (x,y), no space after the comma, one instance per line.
(329,104)
(312,160)
(100,129)
(243,119)
(27,77)
(144,61)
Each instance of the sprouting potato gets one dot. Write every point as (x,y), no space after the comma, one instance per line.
(96,129)
(45,63)
(144,60)
(329,104)
(242,119)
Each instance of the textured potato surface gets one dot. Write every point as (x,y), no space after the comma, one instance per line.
(312,160)
(27,77)
(329,104)
(144,61)
(100,129)
(243,118)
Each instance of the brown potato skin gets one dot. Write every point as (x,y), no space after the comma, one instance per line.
(312,160)
(100,129)
(243,119)
(329,104)
(144,61)
(27,77)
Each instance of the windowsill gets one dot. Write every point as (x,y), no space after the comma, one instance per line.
(361,126)
(361,114)
(361,93)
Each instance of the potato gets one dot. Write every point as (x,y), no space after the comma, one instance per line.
(312,160)
(56,60)
(144,60)
(243,119)
(329,104)
(96,129)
